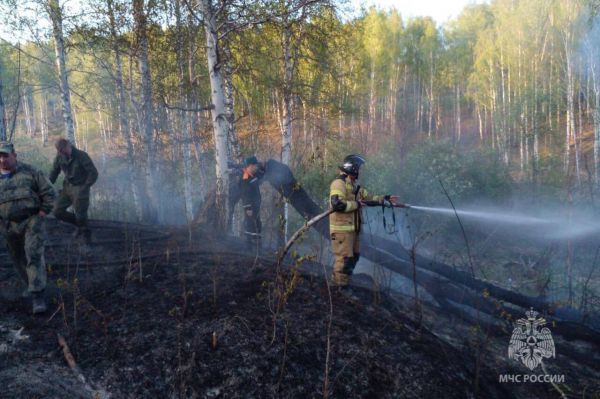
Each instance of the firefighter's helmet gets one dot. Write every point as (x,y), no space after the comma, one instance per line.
(352,164)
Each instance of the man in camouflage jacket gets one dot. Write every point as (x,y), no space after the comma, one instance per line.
(26,196)
(80,174)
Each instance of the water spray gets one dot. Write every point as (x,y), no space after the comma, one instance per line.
(498,217)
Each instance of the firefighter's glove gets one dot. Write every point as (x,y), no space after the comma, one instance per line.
(337,204)
(391,199)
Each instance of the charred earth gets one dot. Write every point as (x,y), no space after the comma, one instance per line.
(148,312)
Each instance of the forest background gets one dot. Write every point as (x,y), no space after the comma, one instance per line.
(501,104)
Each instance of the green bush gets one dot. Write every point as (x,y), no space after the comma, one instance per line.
(466,176)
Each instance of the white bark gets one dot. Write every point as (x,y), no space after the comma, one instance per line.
(480,124)
(3,135)
(194,118)
(44,120)
(570,125)
(234,144)
(123,115)
(55,13)
(184,126)
(29,125)
(372,101)
(287,116)
(596,118)
(430,116)
(219,121)
(147,108)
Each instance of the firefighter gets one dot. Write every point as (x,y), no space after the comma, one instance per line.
(250,197)
(346,198)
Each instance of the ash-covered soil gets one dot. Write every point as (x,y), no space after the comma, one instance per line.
(149,313)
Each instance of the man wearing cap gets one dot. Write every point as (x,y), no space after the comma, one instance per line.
(80,174)
(251,199)
(26,197)
(346,197)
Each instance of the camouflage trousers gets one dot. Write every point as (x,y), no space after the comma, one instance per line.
(345,248)
(25,242)
(79,198)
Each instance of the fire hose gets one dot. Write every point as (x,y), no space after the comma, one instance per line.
(387,204)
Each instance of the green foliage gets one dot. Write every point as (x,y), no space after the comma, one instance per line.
(32,153)
(380,175)
(317,172)
(477,174)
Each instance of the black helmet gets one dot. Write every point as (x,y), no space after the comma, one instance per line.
(352,164)
(251,160)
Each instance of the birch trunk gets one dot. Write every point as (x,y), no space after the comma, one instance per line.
(596,118)
(430,116)
(147,109)
(234,144)
(124,128)
(480,124)
(217,113)
(26,99)
(287,115)
(372,102)
(570,125)
(44,120)
(194,118)
(55,13)
(184,127)
(3,135)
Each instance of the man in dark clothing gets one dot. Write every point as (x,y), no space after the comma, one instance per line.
(251,199)
(80,174)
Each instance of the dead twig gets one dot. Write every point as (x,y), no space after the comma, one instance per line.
(95,393)
(461,227)
(69,358)
(284,358)
(283,290)
(329,322)
(298,233)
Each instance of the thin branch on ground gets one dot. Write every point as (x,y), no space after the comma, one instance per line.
(461,227)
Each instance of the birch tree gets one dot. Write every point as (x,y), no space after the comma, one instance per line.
(3,135)
(124,126)
(292,21)
(210,14)
(147,114)
(56,18)
(183,115)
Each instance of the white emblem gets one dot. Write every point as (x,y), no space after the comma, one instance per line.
(529,345)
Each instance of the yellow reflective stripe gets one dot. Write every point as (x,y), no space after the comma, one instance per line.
(337,192)
(350,206)
(335,227)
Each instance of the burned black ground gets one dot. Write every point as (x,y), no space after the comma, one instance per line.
(139,311)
